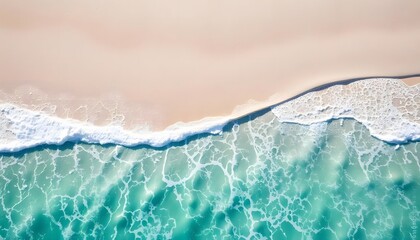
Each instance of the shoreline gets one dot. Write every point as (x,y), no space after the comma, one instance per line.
(28,128)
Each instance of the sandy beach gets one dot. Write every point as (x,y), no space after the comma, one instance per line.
(158,63)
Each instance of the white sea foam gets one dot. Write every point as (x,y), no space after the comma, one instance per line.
(387,107)
(22,128)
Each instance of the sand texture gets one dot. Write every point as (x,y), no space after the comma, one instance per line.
(165,62)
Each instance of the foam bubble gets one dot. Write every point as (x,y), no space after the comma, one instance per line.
(387,107)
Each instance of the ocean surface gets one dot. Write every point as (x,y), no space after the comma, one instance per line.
(263,176)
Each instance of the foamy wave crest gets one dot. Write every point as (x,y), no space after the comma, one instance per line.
(21,128)
(387,107)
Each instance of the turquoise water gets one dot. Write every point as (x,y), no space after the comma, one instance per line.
(259,179)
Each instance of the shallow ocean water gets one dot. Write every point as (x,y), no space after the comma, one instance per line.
(259,178)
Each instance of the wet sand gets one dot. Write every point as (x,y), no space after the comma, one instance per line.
(412,81)
(164,62)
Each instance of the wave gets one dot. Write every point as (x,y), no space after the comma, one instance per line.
(387,107)
(23,128)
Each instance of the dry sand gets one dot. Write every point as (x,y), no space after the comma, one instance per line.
(186,60)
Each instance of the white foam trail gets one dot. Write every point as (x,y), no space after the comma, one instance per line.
(387,107)
(22,128)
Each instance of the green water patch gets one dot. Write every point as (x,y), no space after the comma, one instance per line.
(258,179)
